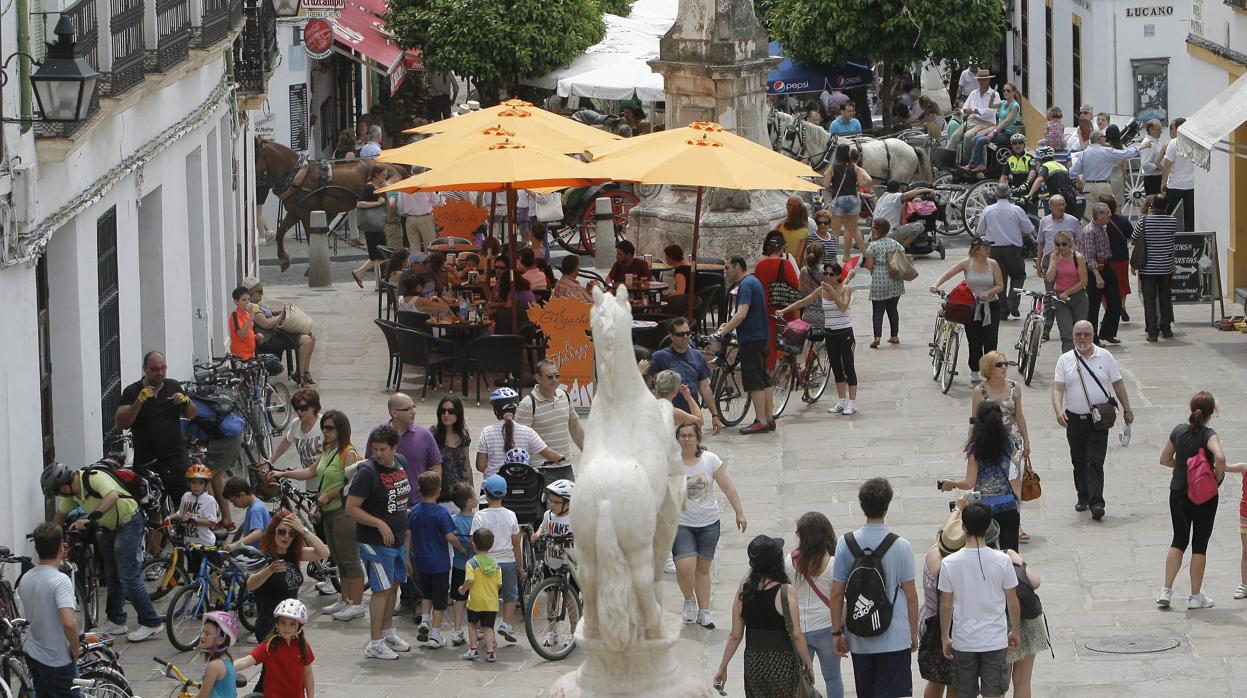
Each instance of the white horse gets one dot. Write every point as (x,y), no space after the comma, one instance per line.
(629,491)
(884,159)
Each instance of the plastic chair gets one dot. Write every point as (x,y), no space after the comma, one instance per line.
(649,337)
(390,331)
(499,353)
(534,344)
(412,320)
(710,302)
(428,352)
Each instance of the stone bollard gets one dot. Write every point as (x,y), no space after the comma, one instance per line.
(604,221)
(318,251)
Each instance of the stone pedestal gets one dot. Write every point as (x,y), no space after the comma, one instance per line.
(714,62)
(613,674)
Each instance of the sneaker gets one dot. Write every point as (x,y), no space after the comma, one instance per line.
(1097,512)
(506,632)
(689,614)
(458,638)
(325,589)
(551,639)
(1199,601)
(350,612)
(670,567)
(489,657)
(111,628)
(1241,592)
(1080,506)
(837,408)
(436,642)
(145,632)
(1167,334)
(1166,594)
(396,643)
(336,606)
(422,633)
(471,654)
(705,620)
(380,650)
(850,407)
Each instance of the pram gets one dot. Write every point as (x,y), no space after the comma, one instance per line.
(928,241)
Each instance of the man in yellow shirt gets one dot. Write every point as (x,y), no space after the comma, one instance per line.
(481,579)
(112,510)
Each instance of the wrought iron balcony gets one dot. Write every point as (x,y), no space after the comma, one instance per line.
(128,51)
(255,51)
(216,22)
(87,33)
(173,35)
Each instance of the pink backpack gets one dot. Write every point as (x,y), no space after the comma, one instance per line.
(1201,479)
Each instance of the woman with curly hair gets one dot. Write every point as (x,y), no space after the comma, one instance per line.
(288,543)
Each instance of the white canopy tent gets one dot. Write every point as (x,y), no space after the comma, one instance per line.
(1207,128)
(618,81)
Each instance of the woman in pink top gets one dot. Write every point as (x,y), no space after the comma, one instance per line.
(1067,272)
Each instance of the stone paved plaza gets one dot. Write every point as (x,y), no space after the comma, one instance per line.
(1099,579)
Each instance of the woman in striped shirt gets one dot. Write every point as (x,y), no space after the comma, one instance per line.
(1157,230)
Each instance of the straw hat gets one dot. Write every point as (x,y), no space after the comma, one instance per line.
(951,538)
(983,74)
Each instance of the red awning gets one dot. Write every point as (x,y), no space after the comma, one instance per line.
(361,29)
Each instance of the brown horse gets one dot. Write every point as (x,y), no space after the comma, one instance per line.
(302,185)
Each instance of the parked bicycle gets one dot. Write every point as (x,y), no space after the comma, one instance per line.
(220,584)
(1031,335)
(166,571)
(8,598)
(812,375)
(99,669)
(730,397)
(246,388)
(83,564)
(945,343)
(15,681)
(553,605)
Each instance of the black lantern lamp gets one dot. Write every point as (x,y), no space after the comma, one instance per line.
(64,85)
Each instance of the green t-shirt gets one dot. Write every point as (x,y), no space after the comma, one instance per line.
(101,484)
(329,475)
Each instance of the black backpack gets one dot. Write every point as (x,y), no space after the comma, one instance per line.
(1028,600)
(866,589)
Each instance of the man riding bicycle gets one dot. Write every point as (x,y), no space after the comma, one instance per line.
(1020,165)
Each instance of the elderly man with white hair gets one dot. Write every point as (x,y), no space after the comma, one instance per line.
(1087,377)
(372,148)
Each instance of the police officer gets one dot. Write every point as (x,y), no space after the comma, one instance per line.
(1054,178)
(1021,164)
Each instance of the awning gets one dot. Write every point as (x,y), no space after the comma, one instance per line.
(1207,129)
(618,82)
(361,30)
(791,77)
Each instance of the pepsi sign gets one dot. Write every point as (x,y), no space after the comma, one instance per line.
(779,86)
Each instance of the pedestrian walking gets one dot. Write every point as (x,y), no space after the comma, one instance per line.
(1067,277)
(694,372)
(841,183)
(991,472)
(285,654)
(1006,226)
(47,596)
(697,536)
(881,639)
(505,548)
(1049,227)
(1156,232)
(809,568)
(835,296)
(1033,637)
(1080,386)
(932,664)
(1094,244)
(431,529)
(548,410)
(1177,180)
(1120,230)
(497,440)
(667,386)
(453,439)
(1191,448)
(885,289)
(763,606)
(986,281)
(996,387)
(303,433)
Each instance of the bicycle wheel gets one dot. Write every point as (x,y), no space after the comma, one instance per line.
(950,360)
(17,676)
(276,402)
(184,617)
(818,373)
(160,576)
(550,621)
(8,601)
(783,380)
(244,606)
(528,562)
(937,349)
(1032,352)
(325,571)
(87,589)
(105,682)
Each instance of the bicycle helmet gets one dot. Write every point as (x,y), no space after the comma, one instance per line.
(1017,138)
(562,488)
(495,485)
(292,609)
(504,400)
(227,624)
(198,471)
(1045,152)
(518,455)
(54,477)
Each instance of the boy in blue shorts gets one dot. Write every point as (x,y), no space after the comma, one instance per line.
(430,530)
(505,549)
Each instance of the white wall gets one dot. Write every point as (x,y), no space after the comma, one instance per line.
(21,450)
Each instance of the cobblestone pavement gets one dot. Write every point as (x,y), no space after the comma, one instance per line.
(1099,579)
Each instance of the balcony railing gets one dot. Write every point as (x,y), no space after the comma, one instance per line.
(127,44)
(255,51)
(173,35)
(87,38)
(216,23)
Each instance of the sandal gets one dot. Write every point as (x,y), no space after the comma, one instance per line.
(306,380)
(358,281)
(1024,537)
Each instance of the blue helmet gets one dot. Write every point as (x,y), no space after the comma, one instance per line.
(504,400)
(495,485)
(518,455)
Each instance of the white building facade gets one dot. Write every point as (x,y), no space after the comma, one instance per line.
(126,232)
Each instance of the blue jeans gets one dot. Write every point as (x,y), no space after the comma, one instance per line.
(52,681)
(979,153)
(821,645)
(123,569)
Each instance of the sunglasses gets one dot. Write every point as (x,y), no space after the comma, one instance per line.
(446,410)
(1001,364)
(409,408)
(300,408)
(685,333)
(285,532)
(821,222)
(328,427)
(1062,244)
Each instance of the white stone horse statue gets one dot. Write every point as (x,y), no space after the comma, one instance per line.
(884,159)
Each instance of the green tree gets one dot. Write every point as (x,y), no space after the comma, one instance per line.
(891,32)
(496,43)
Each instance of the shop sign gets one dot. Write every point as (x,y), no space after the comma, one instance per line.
(331,9)
(318,38)
(1157,11)
(565,323)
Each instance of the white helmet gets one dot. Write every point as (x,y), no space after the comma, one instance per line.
(562,488)
(292,609)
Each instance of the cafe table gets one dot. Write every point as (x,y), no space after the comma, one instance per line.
(460,333)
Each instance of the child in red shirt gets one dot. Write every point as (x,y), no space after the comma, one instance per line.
(285,655)
(242,325)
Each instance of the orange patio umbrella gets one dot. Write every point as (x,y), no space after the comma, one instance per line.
(447,148)
(662,141)
(527,122)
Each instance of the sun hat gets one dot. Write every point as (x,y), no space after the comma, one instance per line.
(952,537)
(765,551)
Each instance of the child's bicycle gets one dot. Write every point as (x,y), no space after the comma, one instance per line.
(219,585)
(553,605)
(945,342)
(167,571)
(189,687)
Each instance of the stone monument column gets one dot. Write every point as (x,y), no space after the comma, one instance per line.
(714,61)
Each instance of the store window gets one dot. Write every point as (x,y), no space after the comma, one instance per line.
(1151,88)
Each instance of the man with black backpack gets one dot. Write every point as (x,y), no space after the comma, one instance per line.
(866,583)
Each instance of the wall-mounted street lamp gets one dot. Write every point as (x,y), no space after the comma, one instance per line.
(64,85)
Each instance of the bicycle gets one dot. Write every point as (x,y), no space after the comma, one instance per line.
(945,343)
(1031,335)
(812,376)
(81,562)
(304,504)
(547,607)
(165,572)
(99,670)
(730,397)
(15,681)
(8,599)
(263,405)
(530,563)
(216,587)
(189,687)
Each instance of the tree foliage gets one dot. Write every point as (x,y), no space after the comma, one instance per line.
(616,7)
(496,42)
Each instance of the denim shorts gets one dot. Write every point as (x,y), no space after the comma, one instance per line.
(846,205)
(510,589)
(696,540)
(386,566)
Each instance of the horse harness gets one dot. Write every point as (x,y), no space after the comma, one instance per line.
(298,177)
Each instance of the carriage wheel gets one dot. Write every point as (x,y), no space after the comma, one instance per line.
(975,201)
(953,197)
(621,203)
(1132,186)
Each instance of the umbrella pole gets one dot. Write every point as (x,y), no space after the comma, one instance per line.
(512,202)
(493,206)
(692,278)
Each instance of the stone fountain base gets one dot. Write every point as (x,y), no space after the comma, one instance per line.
(608,674)
(732,222)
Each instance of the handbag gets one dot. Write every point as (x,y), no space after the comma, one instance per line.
(805,682)
(297,321)
(901,266)
(548,207)
(779,293)
(1031,489)
(1104,414)
(1138,256)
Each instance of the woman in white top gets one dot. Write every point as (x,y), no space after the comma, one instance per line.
(497,439)
(698,532)
(303,433)
(835,296)
(809,568)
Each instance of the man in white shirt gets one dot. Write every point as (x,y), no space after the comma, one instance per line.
(1084,377)
(891,209)
(1150,162)
(417,211)
(966,83)
(979,108)
(1177,180)
(548,410)
(372,148)
(978,586)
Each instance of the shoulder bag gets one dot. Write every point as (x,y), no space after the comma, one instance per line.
(1104,414)
(1138,256)
(779,293)
(901,266)
(1031,489)
(805,682)
(297,321)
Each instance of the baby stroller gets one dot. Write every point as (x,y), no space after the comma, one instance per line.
(928,211)
(525,488)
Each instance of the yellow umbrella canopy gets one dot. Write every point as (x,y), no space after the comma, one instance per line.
(528,123)
(447,148)
(479,118)
(500,166)
(663,143)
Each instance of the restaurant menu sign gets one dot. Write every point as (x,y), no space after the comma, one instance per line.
(565,322)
